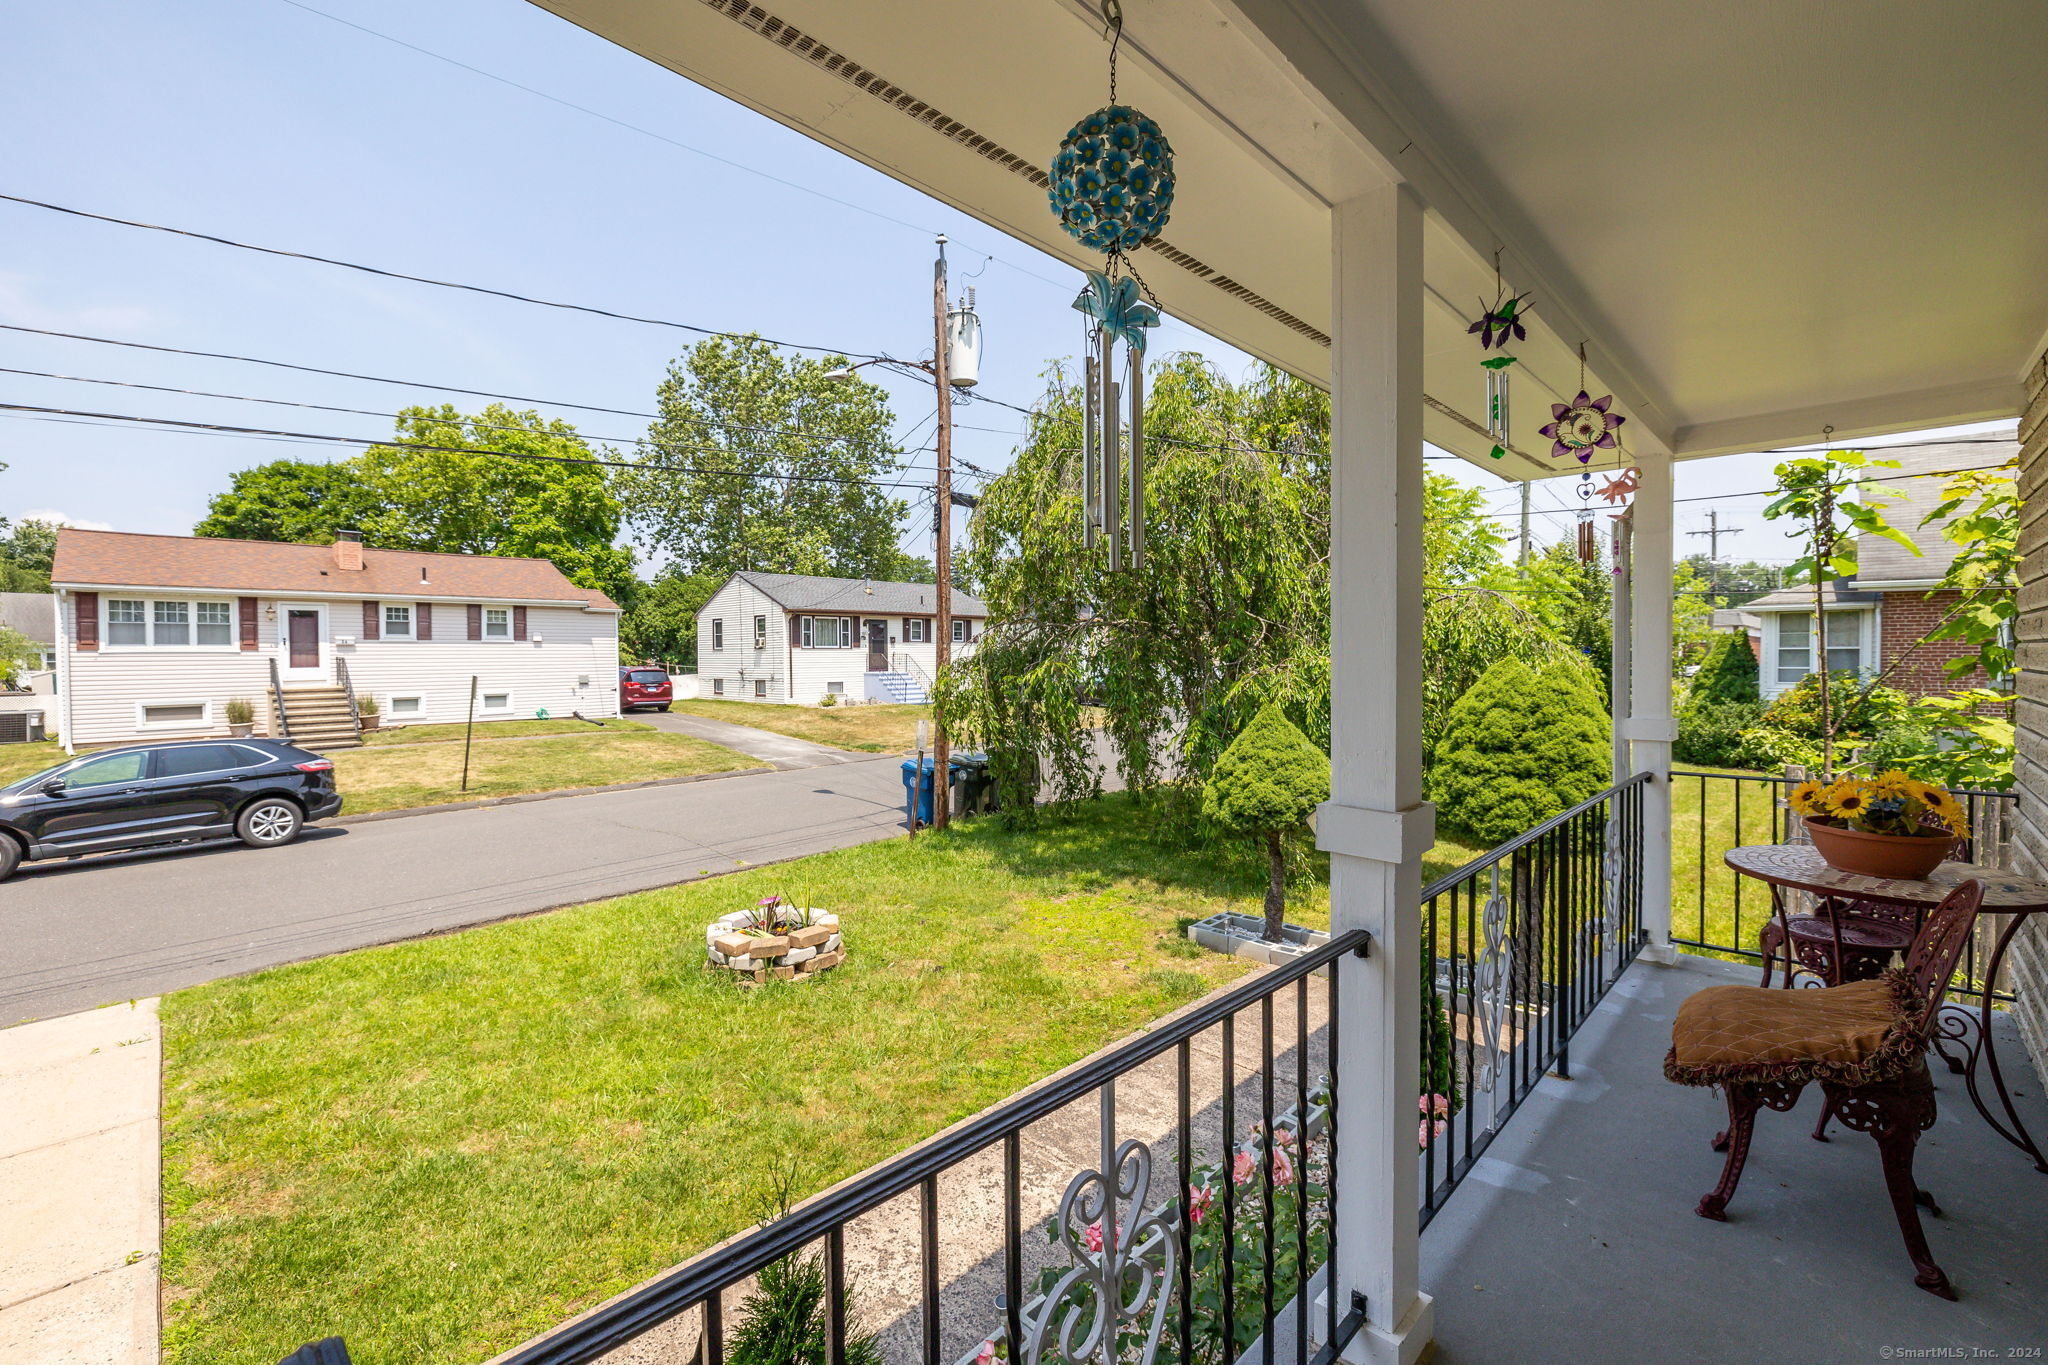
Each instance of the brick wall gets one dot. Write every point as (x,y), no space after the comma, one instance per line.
(2029,957)
(1905,617)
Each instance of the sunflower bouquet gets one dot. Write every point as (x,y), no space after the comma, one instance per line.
(1890,803)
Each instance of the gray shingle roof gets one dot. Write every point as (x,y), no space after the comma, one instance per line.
(34,614)
(1801,598)
(805,592)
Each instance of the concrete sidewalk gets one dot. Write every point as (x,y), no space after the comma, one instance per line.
(78,1188)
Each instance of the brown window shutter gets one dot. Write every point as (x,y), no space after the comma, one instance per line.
(519,623)
(372,619)
(476,621)
(246,606)
(88,620)
(423,621)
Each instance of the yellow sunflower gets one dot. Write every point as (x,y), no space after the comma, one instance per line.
(1847,799)
(1806,797)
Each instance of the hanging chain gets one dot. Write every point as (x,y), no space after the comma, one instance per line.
(1113,29)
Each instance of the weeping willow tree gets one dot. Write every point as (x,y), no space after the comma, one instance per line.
(1230,610)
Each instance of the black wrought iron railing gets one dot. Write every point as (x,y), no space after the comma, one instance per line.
(1717,912)
(1201,1227)
(1527,940)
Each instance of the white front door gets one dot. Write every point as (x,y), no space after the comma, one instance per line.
(302,641)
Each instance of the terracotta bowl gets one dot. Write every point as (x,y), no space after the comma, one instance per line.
(1900,857)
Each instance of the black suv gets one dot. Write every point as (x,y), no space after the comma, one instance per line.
(259,790)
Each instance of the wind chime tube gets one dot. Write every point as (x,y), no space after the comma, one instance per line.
(1137,458)
(1091,458)
(1112,472)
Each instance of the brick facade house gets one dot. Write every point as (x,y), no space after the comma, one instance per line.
(1875,619)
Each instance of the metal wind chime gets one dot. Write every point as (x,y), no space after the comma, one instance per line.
(1496,327)
(1577,429)
(1112,188)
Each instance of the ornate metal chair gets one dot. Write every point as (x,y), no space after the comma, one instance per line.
(1841,941)
(1863,1042)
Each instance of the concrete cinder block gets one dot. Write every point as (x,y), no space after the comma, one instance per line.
(796,957)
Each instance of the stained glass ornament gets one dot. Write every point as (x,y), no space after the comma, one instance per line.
(1582,426)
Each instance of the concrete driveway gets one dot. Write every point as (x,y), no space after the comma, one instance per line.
(77,935)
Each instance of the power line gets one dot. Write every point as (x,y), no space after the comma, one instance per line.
(441,284)
(463,419)
(319,437)
(367,378)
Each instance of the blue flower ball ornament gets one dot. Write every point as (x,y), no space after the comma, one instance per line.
(1112,180)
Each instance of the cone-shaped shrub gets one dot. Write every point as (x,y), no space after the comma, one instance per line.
(1521,746)
(1728,674)
(1265,786)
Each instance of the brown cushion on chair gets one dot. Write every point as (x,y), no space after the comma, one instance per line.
(1858,1034)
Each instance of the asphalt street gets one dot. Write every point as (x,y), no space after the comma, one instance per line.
(81,934)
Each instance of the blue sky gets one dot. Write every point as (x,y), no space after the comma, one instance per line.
(264,121)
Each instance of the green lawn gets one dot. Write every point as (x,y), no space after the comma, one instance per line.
(439,1147)
(396,776)
(497,729)
(876,729)
(1719,907)
(22,760)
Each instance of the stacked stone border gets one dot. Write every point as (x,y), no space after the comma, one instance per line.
(795,955)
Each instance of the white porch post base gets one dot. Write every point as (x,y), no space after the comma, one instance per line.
(1376,825)
(1401,1344)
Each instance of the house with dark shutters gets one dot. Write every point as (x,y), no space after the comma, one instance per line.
(156,634)
(791,637)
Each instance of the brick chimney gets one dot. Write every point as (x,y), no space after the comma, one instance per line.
(348,549)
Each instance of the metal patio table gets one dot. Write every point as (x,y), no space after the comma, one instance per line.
(1798,868)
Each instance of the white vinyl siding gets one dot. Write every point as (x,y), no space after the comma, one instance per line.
(576,669)
(750,655)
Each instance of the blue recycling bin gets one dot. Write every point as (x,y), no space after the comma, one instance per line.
(917,784)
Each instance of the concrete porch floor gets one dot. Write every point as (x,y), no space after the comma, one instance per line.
(1574,1239)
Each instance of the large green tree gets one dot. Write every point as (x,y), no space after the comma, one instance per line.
(759,461)
(296,500)
(26,551)
(661,624)
(1230,610)
(1523,745)
(533,499)
(528,494)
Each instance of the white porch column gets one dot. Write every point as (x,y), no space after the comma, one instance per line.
(1651,729)
(1376,825)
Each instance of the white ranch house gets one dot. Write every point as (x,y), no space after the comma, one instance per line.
(799,638)
(156,634)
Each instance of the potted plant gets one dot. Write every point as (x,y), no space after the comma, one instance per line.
(1892,825)
(366,713)
(241,714)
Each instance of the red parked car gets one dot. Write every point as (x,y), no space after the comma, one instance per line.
(642,685)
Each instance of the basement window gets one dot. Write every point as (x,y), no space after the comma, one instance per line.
(495,701)
(174,714)
(405,706)
(718,687)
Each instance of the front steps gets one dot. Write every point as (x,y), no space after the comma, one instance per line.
(320,718)
(899,688)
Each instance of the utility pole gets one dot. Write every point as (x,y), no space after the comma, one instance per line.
(942,552)
(1525,524)
(1715,530)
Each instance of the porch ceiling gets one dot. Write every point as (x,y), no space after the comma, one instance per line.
(1762,217)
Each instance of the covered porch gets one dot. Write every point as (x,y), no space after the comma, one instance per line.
(1757,226)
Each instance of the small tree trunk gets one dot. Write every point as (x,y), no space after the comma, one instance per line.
(1276,886)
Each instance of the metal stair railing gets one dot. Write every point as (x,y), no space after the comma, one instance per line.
(355,717)
(284,720)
